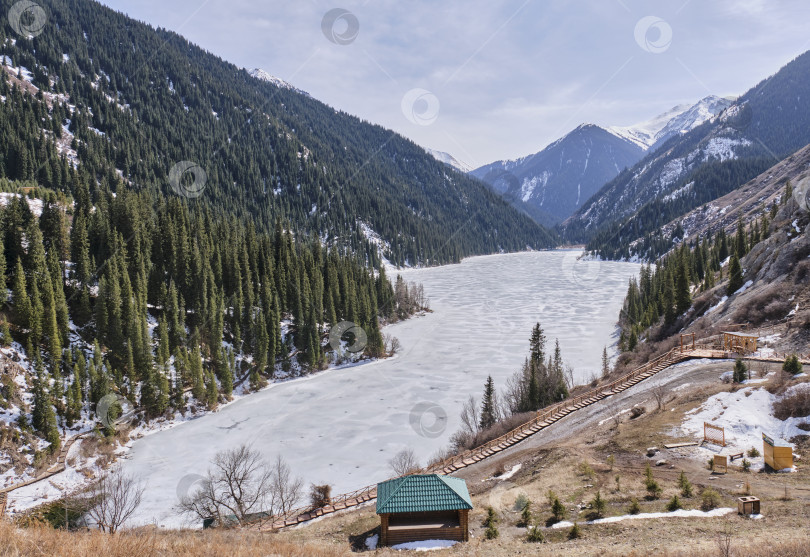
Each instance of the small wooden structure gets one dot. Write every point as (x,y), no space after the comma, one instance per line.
(423,507)
(740,343)
(778,453)
(720,461)
(748,505)
(714,434)
(687,339)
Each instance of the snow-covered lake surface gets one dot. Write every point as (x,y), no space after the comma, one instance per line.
(341,427)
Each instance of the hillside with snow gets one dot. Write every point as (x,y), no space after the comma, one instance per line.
(555,182)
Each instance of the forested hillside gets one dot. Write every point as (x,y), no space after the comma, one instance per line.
(112,283)
(139,101)
(762,127)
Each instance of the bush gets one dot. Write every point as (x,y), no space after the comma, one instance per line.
(535,535)
(746,465)
(740,371)
(753,452)
(599,504)
(653,489)
(491,532)
(574,533)
(711,463)
(557,510)
(792,365)
(521,501)
(634,507)
(526,515)
(710,499)
(491,519)
(674,504)
(320,496)
(685,485)
(586,470)
(796,405)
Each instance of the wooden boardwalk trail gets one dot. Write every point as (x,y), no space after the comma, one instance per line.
(544,419)
(59,466)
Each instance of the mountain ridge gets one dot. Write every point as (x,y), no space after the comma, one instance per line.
(554,182)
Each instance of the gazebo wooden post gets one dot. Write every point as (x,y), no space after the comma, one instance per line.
(384,529)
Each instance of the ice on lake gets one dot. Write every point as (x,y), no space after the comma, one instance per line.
(342,427)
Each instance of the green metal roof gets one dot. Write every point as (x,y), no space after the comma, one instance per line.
(422,493)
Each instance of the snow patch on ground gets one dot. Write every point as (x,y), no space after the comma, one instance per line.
(34,204)
(682,513)
(745,415)
(745,287)
(722,301)
(506,475)
(427,545)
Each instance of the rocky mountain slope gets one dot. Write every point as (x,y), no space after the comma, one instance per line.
(552,184)
(763,126)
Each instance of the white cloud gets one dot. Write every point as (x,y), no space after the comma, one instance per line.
(507,83)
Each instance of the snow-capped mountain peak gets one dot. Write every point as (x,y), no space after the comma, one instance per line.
(447,158)
(259,73)
(679,119)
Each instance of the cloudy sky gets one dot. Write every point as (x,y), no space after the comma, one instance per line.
(488,80)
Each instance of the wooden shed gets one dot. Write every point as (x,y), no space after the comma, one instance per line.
(741,343)
(778,453)
(423,507)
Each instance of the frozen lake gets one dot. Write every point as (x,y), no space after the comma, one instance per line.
(341,427)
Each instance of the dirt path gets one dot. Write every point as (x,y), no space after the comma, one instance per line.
(693,375)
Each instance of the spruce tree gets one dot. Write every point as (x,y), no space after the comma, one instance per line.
(735,278)
(605,363)
(489,412)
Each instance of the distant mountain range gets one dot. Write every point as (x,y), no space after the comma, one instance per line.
(769,122)
(552,184)
(650,135)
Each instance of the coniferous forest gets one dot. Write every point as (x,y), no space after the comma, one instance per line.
(133,101)
(123,281)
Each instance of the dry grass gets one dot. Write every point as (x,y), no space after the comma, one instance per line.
(796,405)
(44,541)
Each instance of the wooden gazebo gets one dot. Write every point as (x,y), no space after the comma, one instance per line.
(423,507)
(740,343)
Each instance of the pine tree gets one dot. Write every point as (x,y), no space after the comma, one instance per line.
(489,411)
(22,304)
(735,278)
(740,371)
(740,243)
(683,297)
(163,348)
(605,363)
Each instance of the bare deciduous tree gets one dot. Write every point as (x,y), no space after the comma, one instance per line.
(660,394)
(241,483)
(113,499)
(404,463)
(569,377)
(285,490)
(615,413)
(469,416)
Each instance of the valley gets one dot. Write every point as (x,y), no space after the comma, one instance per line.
(277,311)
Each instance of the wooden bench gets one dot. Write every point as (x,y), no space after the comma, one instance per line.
(735,456)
